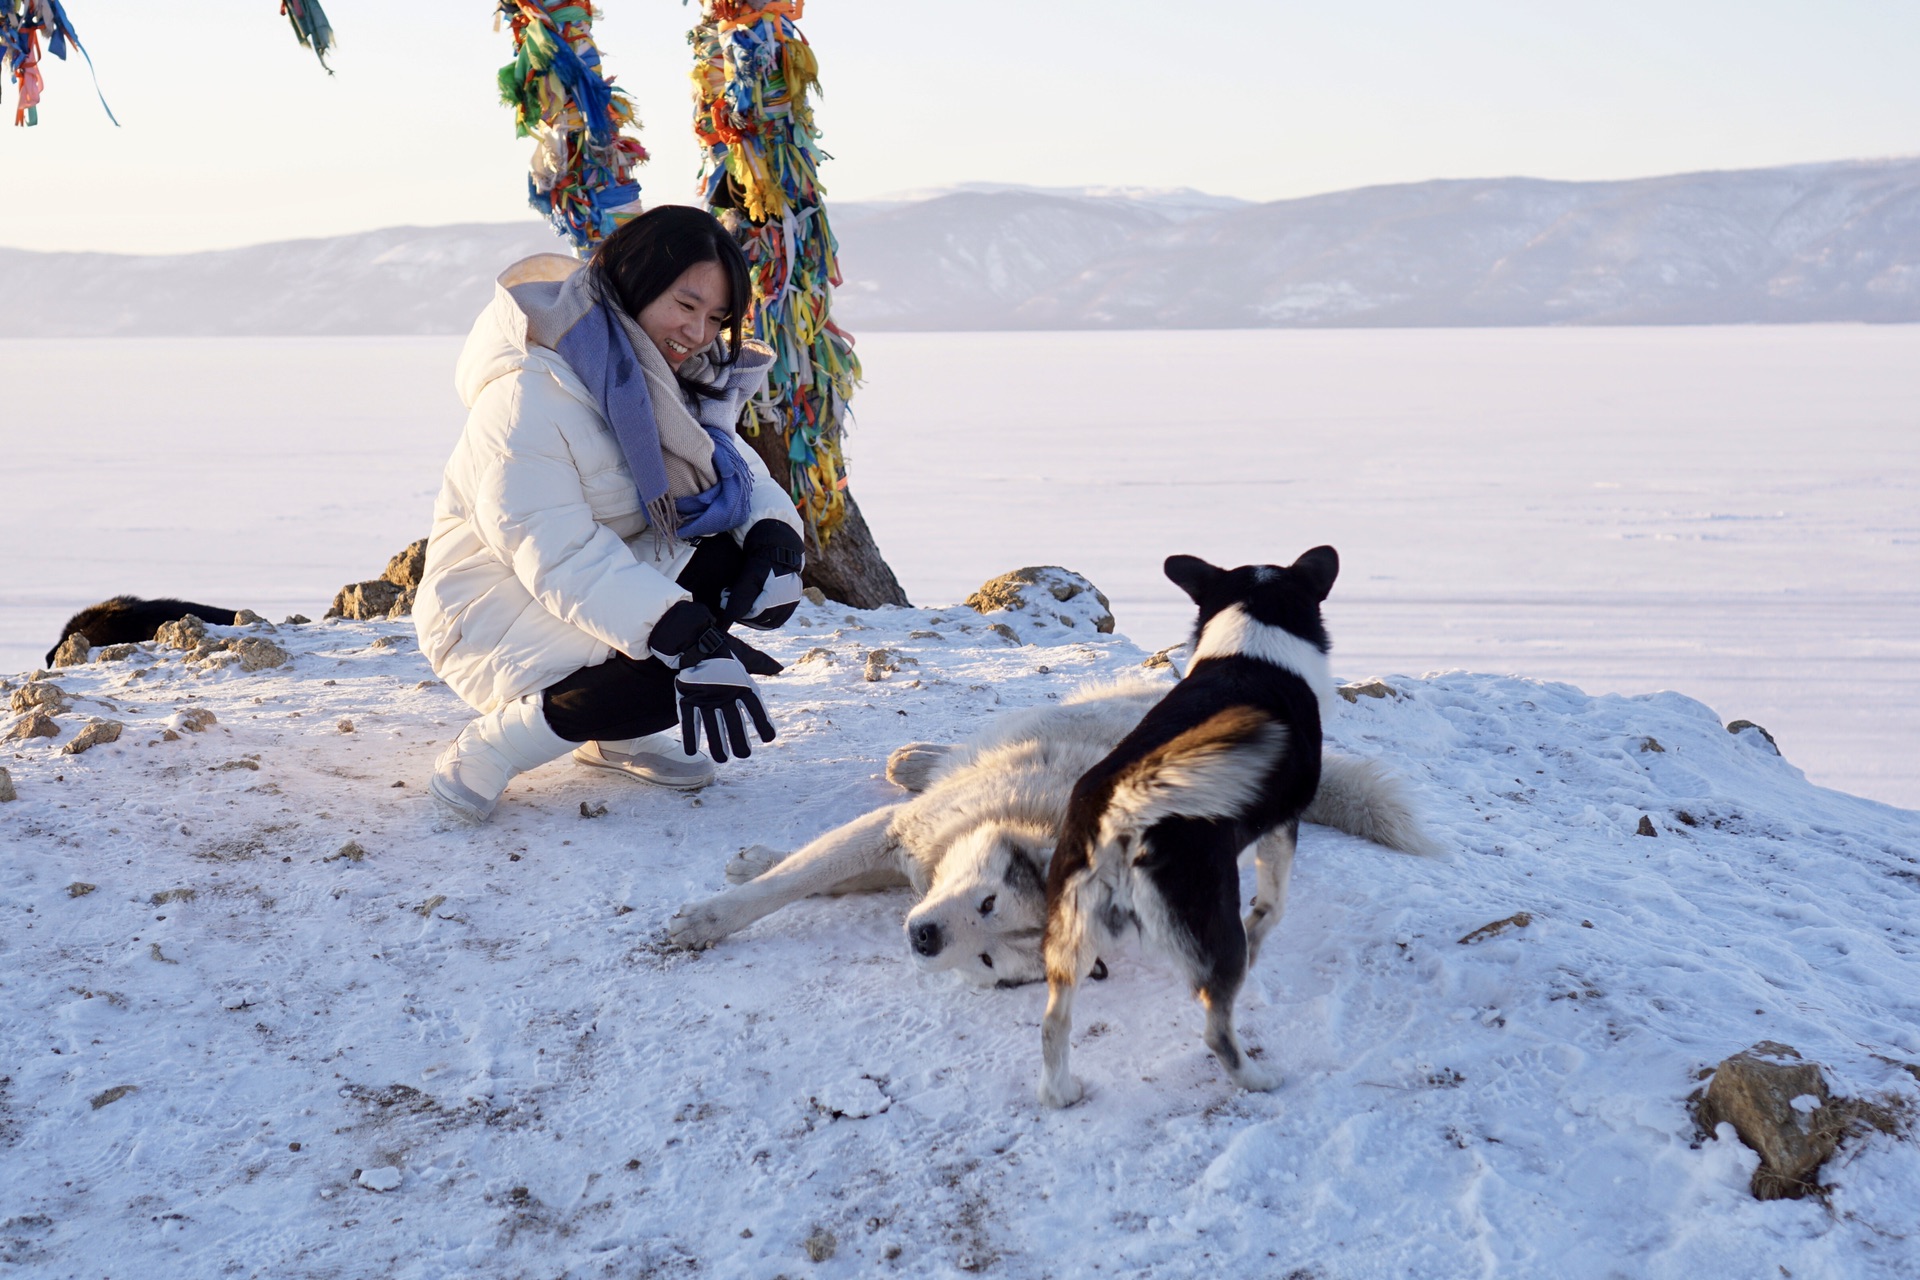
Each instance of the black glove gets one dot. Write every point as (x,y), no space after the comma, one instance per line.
(767,591)
(712,695)
(686,634)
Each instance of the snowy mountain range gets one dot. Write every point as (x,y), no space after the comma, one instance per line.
(1823,242)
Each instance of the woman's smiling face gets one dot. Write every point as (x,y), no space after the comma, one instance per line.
(689,315)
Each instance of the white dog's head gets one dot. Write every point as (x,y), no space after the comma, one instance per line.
(987,907)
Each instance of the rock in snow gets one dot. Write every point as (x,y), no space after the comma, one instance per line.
(35,724)
(364,600)
(1048,594)
(852,1098)
(92,735)
(388,596)
(385,1178)
(72,651)
(1760,1092)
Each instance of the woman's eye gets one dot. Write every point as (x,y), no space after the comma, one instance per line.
(986,960)
(986,907)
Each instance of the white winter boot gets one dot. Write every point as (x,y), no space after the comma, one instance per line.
(657,758)
(470,775)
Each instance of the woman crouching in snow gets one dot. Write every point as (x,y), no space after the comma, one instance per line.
(600,526)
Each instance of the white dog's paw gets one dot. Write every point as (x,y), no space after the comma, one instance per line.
(1067,1091)
(698,925)
(753,862)
(912,766)
(1256,1079)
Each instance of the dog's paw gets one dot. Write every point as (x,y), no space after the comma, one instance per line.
(1065,1093)
(912,766)
(698,925)
(753,862)
(1256,1079)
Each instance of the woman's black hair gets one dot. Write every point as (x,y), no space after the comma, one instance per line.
(642,259)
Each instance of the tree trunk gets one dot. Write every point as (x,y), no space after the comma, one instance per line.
(851,568)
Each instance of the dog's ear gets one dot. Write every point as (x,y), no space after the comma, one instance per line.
(1192,575)
(1318,568)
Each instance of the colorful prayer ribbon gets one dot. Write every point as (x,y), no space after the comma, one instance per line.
(760,175)
(583,163)
(21,22)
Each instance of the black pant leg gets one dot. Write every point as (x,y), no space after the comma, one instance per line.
(627,697)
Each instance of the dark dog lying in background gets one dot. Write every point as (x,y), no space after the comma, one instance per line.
(129,620)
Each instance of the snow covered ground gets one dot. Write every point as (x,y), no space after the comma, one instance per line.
(265,1016)
(488,1026)
(1733,513)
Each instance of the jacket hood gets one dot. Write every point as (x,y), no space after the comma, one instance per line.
(498,343)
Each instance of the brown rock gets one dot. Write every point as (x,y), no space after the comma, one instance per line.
(197,719)
(38,695)
(1646,826)
(187,633)
(1367,689)
(94,734)
(1754,1091)
(1736,726)
(258,654)
(365,601)
(1518,920)
(403,603)
(72,651)
(7,792)
(880,662)
(1029,588)
(407,566)
(115,652)
(247,618)
(37,725)
(821,1245)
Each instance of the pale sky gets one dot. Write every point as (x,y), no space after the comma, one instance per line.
(233,135)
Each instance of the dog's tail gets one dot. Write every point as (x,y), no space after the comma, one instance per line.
(1362,798)
(1213,770)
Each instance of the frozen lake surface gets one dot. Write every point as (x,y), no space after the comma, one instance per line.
(1733,513)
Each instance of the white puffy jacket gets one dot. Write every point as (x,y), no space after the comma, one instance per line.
(541,561)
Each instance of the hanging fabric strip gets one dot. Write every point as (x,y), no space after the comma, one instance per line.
(310,25)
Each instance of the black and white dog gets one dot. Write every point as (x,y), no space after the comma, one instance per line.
(130,620)
(1153,832)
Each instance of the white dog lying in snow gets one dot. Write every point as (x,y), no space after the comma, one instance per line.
(976,842)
